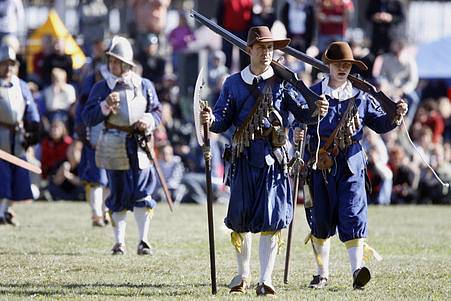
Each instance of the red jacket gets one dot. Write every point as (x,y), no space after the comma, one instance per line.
(53,153)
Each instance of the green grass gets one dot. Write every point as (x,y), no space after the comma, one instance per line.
(56,254)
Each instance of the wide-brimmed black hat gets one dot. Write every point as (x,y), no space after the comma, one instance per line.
(262,34)
(341,52)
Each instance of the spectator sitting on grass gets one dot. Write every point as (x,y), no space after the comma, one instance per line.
(65,183)
(58,97)
(173,169)
(405,177)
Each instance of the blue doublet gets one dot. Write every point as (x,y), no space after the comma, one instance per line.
(260,198)
(133,187)
(87,169)
(341,202)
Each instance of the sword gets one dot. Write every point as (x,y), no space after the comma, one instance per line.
(146,144)
(19,162)
(204,142)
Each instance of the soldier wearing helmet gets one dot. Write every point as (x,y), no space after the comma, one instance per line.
(19,128)
(125,103)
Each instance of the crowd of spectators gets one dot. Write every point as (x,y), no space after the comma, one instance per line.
(397,174)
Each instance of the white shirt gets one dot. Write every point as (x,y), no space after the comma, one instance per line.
(60,99)
(248,76)
(341,93)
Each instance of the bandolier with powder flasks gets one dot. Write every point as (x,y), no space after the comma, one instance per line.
(254,127)
(341,137)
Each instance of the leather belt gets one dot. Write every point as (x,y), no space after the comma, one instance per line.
(324,138)
(128,129)
(11,127)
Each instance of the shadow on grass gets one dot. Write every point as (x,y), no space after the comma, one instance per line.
(125,289)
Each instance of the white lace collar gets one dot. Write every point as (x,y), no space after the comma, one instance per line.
(248,76)
(341,93)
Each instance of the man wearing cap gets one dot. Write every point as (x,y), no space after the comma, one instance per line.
(126,104)
(19,128)
(258,104)
(337,179)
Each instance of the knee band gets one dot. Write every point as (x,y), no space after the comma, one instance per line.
(237,240)
(353,243)
(278,236)
(319,241)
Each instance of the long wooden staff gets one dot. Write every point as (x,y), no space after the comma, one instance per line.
(211,234)
(203,139)
(300,154)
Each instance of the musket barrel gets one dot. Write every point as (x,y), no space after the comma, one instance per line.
(280,70)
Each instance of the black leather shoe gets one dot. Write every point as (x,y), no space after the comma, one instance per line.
(265,290)
(119,249)
(318,282)
(361,277)
(240,288)
(11,218)
(144,249)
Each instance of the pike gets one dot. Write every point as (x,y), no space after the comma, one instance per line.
(204,142)
(297,183)
(19,162)
(388,105)
(280,70)
(145,143)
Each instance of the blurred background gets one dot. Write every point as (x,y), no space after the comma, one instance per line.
(406,44)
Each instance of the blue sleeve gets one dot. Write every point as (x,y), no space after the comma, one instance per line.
(86,87)
(92,113)
(224,110)
(31,110)
(375,118)
(297,105)
(153,103)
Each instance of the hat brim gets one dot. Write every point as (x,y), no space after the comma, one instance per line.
(119,58)
(361,65)
(278,44)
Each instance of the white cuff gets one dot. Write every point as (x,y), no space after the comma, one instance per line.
(106,109)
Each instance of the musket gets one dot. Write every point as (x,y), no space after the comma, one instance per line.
(281,71)
(297,183)
(145,143)
(388,105)
(204,142)
(19,162)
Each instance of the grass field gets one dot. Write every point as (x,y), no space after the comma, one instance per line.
(56,254)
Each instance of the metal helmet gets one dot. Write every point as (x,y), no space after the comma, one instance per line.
(121,49)
(7,53)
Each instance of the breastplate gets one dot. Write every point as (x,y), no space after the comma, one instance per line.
(12,105)
(131,108)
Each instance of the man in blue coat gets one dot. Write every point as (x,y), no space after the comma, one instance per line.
(258,104)
(126,103)
(19,128)
(94,178)
(337,176)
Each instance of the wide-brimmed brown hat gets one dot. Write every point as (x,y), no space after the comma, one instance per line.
(341,52)
(262,34)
